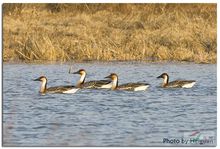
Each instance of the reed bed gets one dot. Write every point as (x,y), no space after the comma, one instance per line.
(110,32)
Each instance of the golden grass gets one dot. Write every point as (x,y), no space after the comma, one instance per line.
(106,32)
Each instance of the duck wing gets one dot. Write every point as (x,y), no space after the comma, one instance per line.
(96,83)
(133,86)
(60,89)
(180,83)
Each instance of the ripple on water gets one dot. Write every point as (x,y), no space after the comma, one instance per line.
(106,117)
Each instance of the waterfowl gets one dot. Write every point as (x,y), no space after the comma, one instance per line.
(128,86)
(176,83)
(57,89)
(90,84)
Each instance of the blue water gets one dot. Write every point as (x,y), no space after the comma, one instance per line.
(105,117)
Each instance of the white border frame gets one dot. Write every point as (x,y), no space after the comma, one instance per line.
(120,1)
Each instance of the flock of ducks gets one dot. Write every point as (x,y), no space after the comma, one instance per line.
(111,82)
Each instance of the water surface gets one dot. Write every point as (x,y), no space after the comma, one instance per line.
(105,117)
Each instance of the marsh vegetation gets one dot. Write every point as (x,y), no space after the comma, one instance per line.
(108,32)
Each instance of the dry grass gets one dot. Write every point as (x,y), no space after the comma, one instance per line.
(106,32)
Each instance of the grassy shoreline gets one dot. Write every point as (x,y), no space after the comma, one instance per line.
(110,32)
(99,62)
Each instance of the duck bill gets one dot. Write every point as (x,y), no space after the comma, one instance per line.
(36,79)
(109,77)
(77,72)
(160,76)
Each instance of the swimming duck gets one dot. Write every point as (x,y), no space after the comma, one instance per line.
(176,83)
(57,89)
(91,84)
(128,86)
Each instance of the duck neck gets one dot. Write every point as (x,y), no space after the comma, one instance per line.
(81,80)
(114,83)
(165,81)
(43,87)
